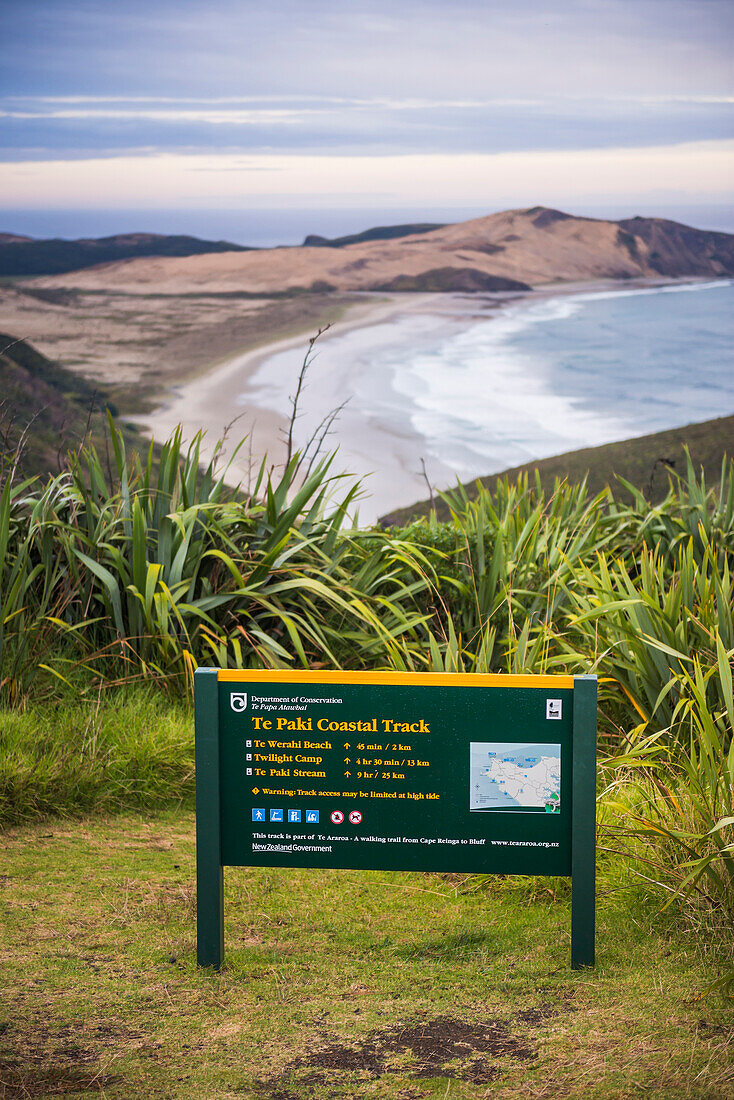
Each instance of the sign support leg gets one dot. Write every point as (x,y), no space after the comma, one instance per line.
(583,823)
(209,874)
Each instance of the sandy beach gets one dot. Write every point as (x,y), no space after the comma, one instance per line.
(387,435)
(433,386)
(235,399)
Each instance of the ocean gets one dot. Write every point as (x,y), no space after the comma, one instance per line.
(535,378)
(574,371)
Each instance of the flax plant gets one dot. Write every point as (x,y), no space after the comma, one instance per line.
(34,589)
(640,622)
(504,566)
(680,805)
(689,512)
(147,568)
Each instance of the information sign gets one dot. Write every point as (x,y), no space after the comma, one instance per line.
(398,771)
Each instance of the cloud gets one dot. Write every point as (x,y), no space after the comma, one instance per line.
(232,117)
(417,48)
(378,125)
(489,181)
(355,86)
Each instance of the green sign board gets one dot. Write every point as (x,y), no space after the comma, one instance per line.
(395,771)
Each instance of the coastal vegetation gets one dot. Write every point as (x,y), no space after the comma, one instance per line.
(123,572)
(47,411)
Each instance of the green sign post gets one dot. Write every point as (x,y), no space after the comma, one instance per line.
(395,771)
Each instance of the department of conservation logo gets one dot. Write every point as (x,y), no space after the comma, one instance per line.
(238,701)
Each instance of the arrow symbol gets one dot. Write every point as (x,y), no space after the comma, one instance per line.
(347,745)
(347,773)
(347,760)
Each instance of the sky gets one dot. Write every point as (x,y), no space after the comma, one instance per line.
(305,115)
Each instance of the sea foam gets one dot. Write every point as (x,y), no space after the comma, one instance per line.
(537,378)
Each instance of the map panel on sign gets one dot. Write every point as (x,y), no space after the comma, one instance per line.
(514,776)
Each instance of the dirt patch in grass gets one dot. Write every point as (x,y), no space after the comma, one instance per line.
(444,1047)
(40,1081)
(36,1062)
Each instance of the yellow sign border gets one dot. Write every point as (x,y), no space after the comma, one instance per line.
(428,679)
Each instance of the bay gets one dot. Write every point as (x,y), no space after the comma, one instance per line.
(466,397)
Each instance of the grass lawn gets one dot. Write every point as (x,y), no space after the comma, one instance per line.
(337,984)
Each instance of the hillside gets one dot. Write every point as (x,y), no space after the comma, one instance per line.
(641,461)
(45,410)
(379,233)
(513,249)
(20,256)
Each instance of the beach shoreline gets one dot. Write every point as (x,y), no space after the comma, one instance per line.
(247,394)
(208,402)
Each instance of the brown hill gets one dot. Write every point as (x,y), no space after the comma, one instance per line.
(536,246)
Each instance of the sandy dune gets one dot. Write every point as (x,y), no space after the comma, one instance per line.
(536,246)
